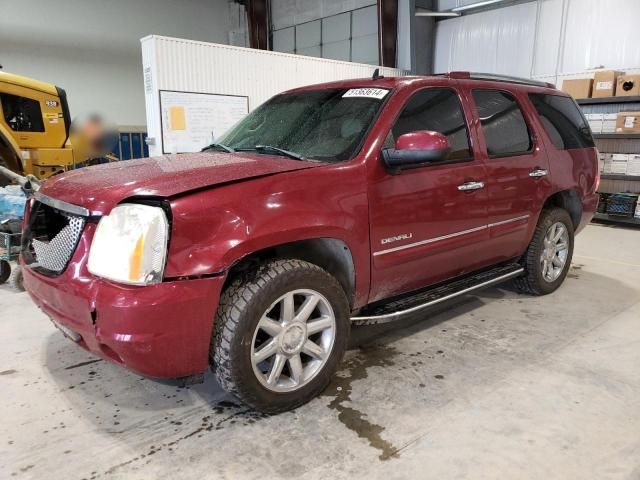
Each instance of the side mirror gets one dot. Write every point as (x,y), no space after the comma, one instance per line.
(416,149)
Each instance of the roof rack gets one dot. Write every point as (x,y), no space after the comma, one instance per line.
(498,78)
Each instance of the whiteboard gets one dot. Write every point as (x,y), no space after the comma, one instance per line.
(190,121)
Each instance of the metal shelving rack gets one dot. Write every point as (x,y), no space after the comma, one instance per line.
(615,143)
(608,100)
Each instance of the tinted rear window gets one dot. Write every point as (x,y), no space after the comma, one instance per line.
(563,121)
(505,130)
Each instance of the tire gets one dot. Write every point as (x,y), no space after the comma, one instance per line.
(15,280)
(5,271)
(237,340)
(535,281)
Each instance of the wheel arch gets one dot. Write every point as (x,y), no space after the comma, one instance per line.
(568,200)
(330,254)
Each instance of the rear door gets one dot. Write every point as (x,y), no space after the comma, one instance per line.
(518,177)
(426,226)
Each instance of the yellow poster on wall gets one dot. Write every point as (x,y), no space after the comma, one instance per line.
(177,120)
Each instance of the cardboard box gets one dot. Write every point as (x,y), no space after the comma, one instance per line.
(604,83)
(633,165)
(604,158)
(619,162)
(578,88)
(607,164)
(628,122)
(609,122)
(595,121)
(628,86)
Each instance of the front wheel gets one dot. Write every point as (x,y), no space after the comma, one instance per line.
(548,257)
(279,336)
(16,279)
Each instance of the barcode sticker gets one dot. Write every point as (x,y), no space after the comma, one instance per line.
(604,85)
(378,93)
(629,121)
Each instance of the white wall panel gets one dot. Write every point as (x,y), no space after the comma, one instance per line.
(186,65)
(547,39)
(498,41)
(602,33)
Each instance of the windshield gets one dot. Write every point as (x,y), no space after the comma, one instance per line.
(326,125)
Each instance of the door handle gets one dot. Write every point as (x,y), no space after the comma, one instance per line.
(538,172)
(465,187)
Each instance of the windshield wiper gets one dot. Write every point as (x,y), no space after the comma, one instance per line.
(219,146)
(275,150)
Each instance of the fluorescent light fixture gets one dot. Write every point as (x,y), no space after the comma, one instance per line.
(475,5)
(429,13)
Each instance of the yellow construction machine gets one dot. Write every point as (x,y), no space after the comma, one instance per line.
(35,129)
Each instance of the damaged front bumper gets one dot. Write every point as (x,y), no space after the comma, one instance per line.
(161,330)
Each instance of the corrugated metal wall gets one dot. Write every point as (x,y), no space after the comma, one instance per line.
(190,66)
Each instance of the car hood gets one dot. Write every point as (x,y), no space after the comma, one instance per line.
(101,187)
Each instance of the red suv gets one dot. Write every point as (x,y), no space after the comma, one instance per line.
(351,202)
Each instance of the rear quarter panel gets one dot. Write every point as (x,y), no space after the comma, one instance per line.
(214,228)
(575,169)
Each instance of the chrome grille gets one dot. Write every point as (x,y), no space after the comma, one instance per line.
(56,253)
(50,236)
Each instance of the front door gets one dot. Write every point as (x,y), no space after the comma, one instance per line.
(428,224)
(518,177)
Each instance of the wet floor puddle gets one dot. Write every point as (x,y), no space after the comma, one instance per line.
(340,390)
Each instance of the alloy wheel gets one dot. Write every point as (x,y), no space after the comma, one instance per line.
(293,340)
(555,252)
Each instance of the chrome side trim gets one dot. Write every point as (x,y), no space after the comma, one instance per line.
(429,240)
(445,237)
(62,205)
(389,317)
(503,222)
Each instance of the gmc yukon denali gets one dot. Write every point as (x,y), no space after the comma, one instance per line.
(352,202)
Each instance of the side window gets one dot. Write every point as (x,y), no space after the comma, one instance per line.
(563,121)
(505,131)
(21,114)
(438,110)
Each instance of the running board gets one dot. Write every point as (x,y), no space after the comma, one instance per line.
(396,309)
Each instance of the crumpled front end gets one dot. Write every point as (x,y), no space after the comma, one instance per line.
(160,330)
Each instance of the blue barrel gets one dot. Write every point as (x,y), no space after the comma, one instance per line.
(12,200)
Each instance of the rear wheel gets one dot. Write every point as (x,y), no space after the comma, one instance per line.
(278,337)
(548,257)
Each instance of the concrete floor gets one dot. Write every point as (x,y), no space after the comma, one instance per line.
(498,385)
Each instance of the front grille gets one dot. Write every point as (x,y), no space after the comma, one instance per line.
(50,237)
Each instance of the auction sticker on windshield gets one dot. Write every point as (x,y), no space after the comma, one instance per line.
(378,93)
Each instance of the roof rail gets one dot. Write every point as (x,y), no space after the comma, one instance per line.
(498,78)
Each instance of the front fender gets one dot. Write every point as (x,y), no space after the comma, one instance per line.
(215,228)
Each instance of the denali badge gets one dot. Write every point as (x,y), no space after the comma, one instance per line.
(402,236)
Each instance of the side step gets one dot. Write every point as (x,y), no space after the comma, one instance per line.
(396,309)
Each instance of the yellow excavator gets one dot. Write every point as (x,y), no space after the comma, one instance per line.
(35,130)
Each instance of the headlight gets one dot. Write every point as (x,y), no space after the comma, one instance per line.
(130,245)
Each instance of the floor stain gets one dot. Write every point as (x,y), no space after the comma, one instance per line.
(8,372)
(82,364)
(341,387)
(233,414)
